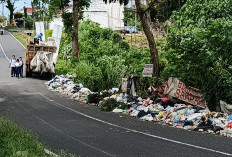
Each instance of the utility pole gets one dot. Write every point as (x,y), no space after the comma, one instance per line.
(2,8)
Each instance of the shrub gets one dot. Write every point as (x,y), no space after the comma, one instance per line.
(48,33)
(200,48)
(29,23)
(109,105)
(112,69)
(18,15)
(89,75)
(94,98)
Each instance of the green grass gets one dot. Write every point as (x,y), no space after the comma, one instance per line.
(16,142)
(139,41)
(22,37)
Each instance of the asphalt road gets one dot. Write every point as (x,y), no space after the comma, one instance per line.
(63,124)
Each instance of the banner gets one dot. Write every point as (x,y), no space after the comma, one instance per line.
(177,89)
(39,26)
(56,34)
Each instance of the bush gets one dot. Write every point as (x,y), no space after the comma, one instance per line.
(89,75)
(18,15)
(94,98)
(199,48)
(109,105)
(48,33)
(19,23)
(9,27)
(29,23)
(61,68)
(104,57)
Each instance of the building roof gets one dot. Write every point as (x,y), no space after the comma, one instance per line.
(29,10)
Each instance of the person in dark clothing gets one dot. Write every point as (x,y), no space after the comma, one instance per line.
(17,65)
(37,38)
(21,67)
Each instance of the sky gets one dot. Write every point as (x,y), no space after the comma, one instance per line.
(19,4)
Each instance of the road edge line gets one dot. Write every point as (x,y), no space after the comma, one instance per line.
(4,52)
(50,153)
(139,132)
(16,39)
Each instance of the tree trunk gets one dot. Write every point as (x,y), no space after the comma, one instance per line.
(151,41)
(75,45)
(32,5)
(11,16)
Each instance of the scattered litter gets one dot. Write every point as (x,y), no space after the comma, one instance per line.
(162,110)
(66,86)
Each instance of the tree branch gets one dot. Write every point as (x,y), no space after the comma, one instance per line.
(150,5)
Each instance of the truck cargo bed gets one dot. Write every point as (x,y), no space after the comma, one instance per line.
(31,51)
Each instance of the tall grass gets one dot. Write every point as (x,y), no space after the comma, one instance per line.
(15,142)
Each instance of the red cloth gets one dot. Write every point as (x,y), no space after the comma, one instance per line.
(229,125)
(165,99)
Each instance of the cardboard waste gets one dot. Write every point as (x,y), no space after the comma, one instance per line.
(159,110)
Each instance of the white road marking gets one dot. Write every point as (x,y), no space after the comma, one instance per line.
(17,40)
(4,52)
(50,153)
(102,151)
(139,132)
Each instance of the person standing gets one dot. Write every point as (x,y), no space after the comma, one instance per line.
(21,67)
(17,65)
(12,66)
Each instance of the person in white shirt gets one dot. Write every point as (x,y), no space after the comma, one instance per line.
(12,66)
(21,67)
(17,65)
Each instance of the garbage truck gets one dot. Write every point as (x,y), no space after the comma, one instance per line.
(40,59)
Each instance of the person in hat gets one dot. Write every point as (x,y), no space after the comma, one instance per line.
(37,38)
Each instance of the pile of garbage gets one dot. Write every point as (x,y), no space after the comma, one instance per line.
(160,110)
(166,112)
(66,86)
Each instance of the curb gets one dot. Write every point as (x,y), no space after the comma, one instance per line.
(50,153)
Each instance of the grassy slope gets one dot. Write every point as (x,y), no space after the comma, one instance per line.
(139,41)
(15,142)
(22,37)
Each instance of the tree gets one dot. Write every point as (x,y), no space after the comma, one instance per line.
(25,12)
(75,45)
(39,6)
(78,6)
(10,6)
(18,15)
(144,15)
(200,48)
(163,9)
